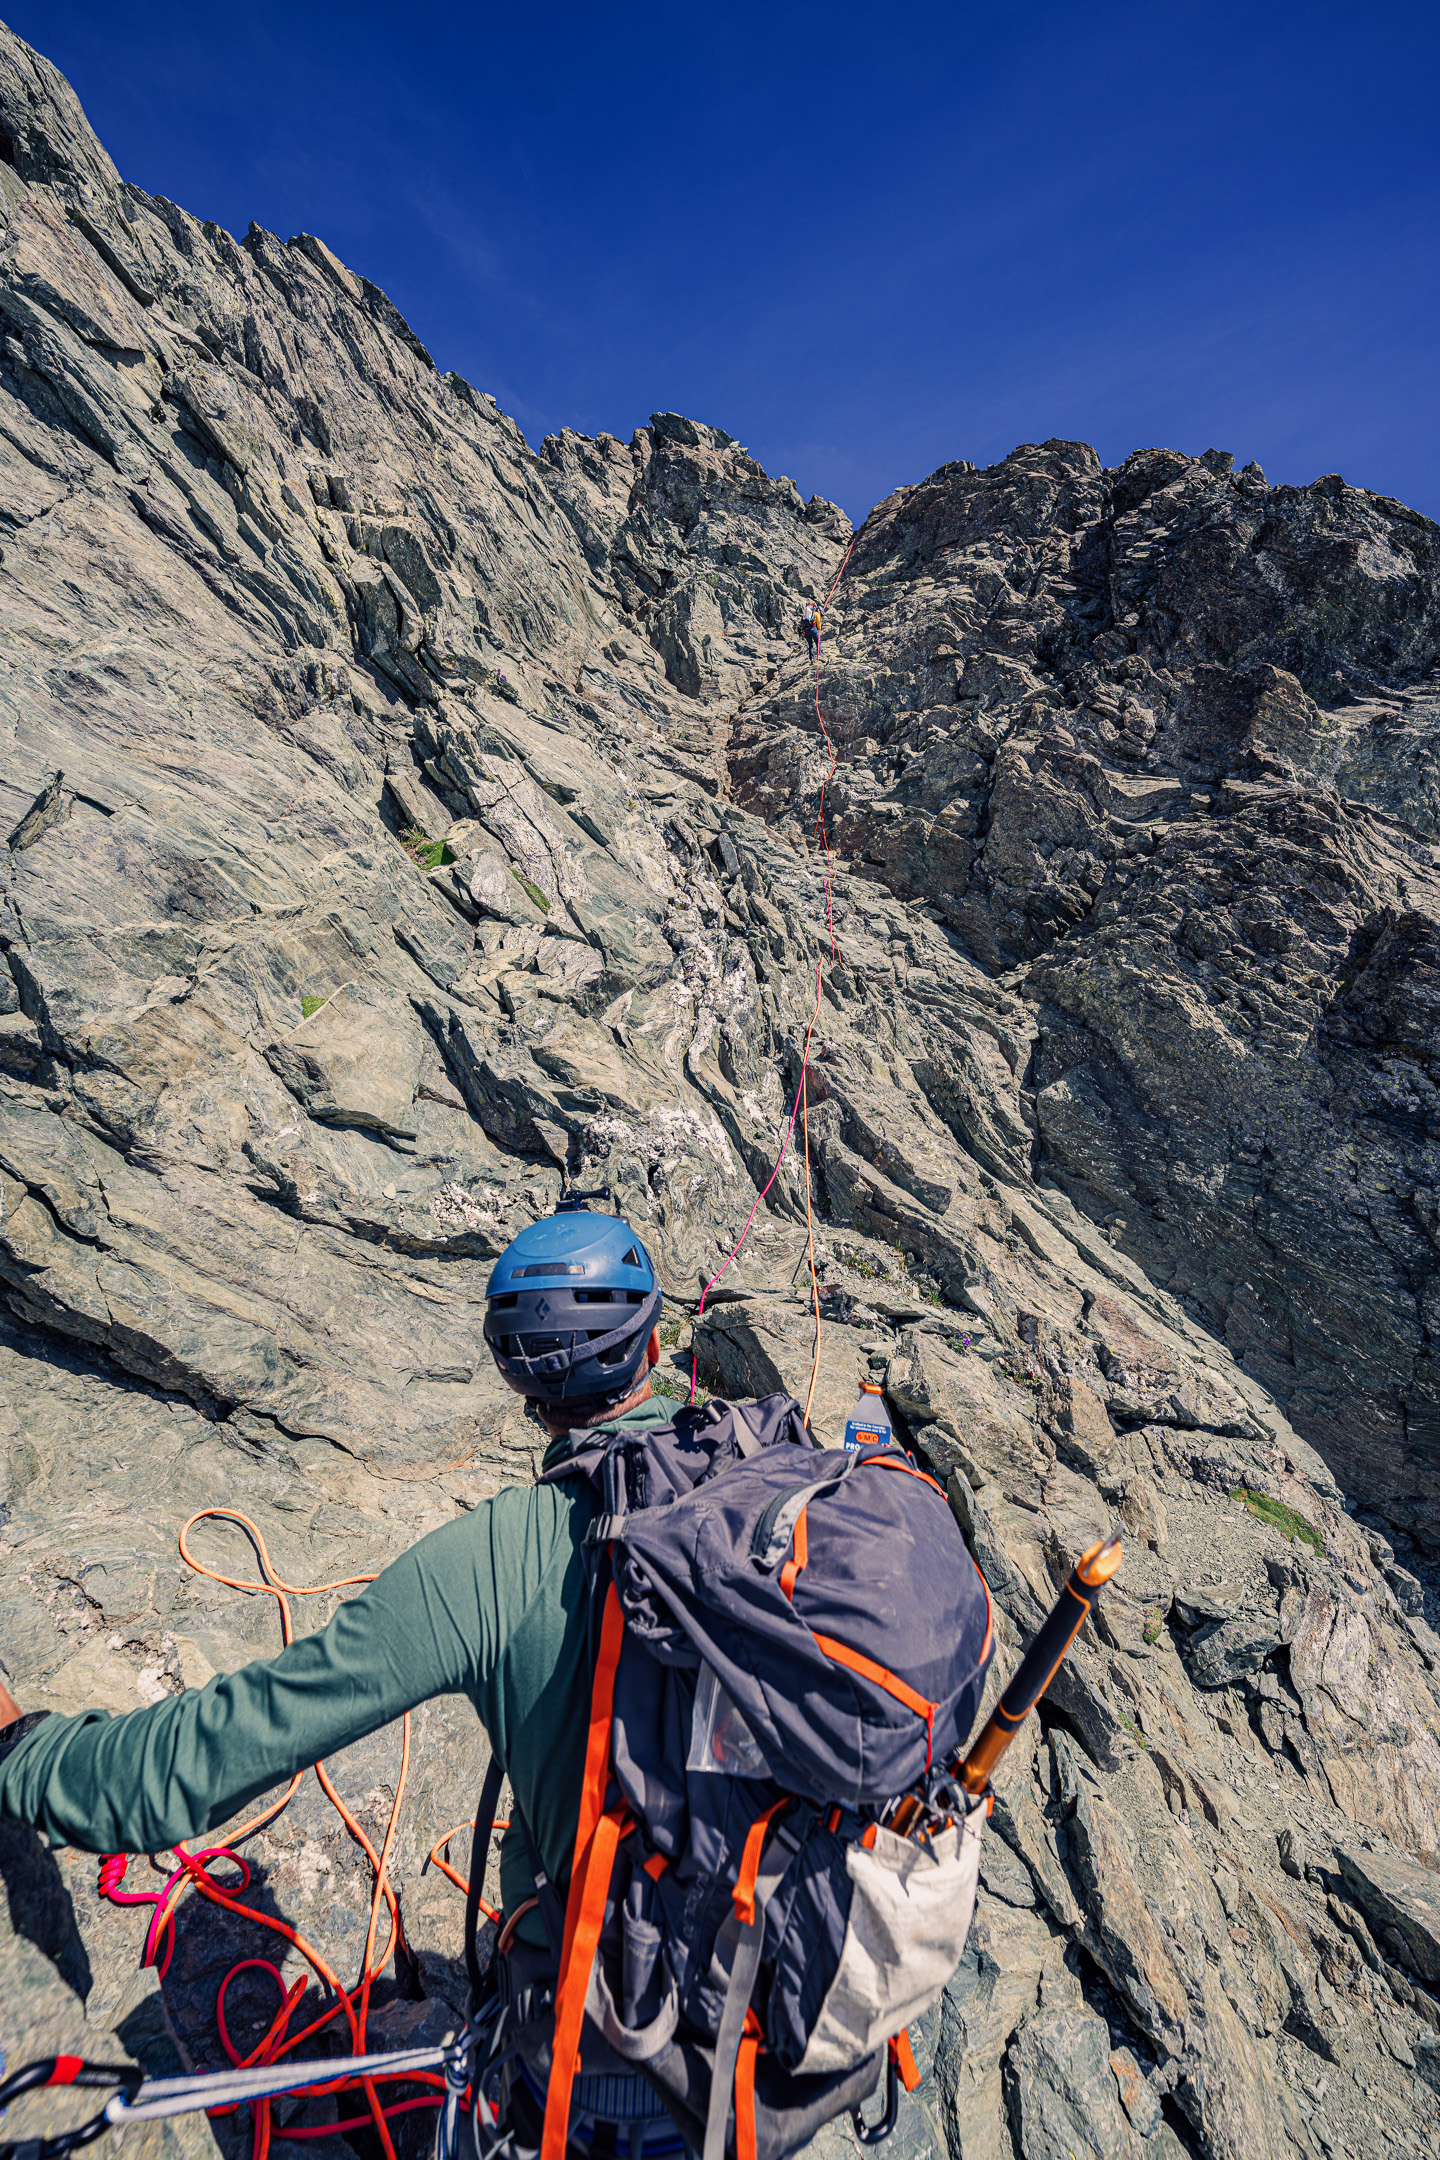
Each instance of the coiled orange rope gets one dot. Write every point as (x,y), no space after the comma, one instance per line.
(194,1871)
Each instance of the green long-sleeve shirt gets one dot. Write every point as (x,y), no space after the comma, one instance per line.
(492,1606)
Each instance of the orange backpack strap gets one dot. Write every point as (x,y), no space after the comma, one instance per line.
(743,1895)
(857,1662)
(597,1744)
(902,2055)
(762,1864)
(584,1918)
(800,1554)
(745,2148)
(597,1835)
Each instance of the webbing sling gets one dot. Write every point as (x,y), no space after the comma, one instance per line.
(903,2057)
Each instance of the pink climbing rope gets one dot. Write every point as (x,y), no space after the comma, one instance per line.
(828,878)
(784,1144)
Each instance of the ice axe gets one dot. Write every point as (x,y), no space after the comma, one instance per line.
(1036,1670)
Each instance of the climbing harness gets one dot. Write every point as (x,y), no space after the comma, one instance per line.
(801,1103)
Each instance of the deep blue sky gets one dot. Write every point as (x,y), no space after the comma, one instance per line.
(864,240)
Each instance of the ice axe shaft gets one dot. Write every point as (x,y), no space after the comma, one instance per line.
(1041,1661)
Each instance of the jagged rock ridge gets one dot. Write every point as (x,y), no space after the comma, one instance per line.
(1164,739)
(277,1079)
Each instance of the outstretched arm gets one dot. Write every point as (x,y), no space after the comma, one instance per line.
(432,1624)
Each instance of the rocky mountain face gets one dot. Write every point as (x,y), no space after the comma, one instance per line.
(1159,744)
(401,822)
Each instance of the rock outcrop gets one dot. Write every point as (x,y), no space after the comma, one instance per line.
(1161,743)
(401,822)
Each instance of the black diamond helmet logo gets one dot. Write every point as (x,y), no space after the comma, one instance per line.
(542,1308)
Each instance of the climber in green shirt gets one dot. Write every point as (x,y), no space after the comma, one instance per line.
(492,1606)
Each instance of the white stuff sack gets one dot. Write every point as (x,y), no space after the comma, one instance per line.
(910,1913)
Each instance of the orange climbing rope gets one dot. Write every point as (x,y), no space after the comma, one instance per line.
(194,1872)
(801,1103)
(439,1858)
(810,1244)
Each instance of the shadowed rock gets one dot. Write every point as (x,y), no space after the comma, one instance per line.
(433,832)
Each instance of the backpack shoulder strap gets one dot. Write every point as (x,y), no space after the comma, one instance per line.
(479,1854)
(597,1837)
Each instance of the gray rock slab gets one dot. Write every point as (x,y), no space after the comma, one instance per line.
(1400,1898)
(1118,1066)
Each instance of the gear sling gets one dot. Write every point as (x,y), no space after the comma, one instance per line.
(784,1641)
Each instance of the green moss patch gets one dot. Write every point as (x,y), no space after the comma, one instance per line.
(531,890)
(1279,1517)
(427,853)
(309,1006)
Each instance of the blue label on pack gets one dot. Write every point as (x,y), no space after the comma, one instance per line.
(858,1436)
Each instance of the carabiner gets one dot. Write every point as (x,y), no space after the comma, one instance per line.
(867,2134)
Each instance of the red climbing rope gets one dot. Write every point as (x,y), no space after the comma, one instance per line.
(800,1092)
(194,1871)
(841,571)
(194,1868)
(784,1144)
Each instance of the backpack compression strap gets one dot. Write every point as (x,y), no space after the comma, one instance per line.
(750,2044)
(769,1849)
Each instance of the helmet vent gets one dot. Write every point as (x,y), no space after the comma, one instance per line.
(551,1267)
(631,1258)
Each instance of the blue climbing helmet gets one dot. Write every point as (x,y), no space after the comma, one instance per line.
(569,1308)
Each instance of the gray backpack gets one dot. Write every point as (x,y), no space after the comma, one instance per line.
(785,1641)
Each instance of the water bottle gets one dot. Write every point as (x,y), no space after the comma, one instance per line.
(868,1424)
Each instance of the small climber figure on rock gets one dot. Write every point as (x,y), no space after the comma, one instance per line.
(810,624)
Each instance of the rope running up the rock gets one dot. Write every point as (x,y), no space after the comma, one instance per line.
(801,1103)
(194,1867)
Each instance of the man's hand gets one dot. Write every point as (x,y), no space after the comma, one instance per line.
(14,1724)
